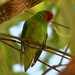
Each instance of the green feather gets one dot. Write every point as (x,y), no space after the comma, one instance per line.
(35,29)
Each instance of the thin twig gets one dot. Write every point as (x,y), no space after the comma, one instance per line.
(10,45)
(31,46)
(23,53)
(65,52)
(52,21)
(53,67)
(60,34)
(35,44)
(48,65)
(60,63)
(61,25)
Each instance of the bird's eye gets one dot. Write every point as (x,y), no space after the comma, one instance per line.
(49,18)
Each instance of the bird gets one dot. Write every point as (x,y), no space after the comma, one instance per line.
(35,29)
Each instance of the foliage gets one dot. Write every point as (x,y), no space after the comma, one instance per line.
(64,14)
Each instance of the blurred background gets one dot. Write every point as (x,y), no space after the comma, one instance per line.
(64,11)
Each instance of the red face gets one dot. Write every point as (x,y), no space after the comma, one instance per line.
(49,17)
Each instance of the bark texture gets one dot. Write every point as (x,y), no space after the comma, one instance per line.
(70,69)
(15,7)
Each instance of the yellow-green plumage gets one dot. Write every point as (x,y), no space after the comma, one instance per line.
(35,29)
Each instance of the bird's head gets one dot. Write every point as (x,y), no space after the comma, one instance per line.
(46,15)
(49,16)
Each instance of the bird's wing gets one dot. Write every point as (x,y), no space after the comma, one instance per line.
(22,36)
(37,55)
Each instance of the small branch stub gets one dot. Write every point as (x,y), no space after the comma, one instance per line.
(15,7)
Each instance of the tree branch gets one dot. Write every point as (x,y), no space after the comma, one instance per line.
(15,7)
(33,44)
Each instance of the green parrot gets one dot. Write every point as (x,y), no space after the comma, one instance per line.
(35,29)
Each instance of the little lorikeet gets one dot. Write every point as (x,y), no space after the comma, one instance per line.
(35,29)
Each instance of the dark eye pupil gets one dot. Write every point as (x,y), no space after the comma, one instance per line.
(49,18)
